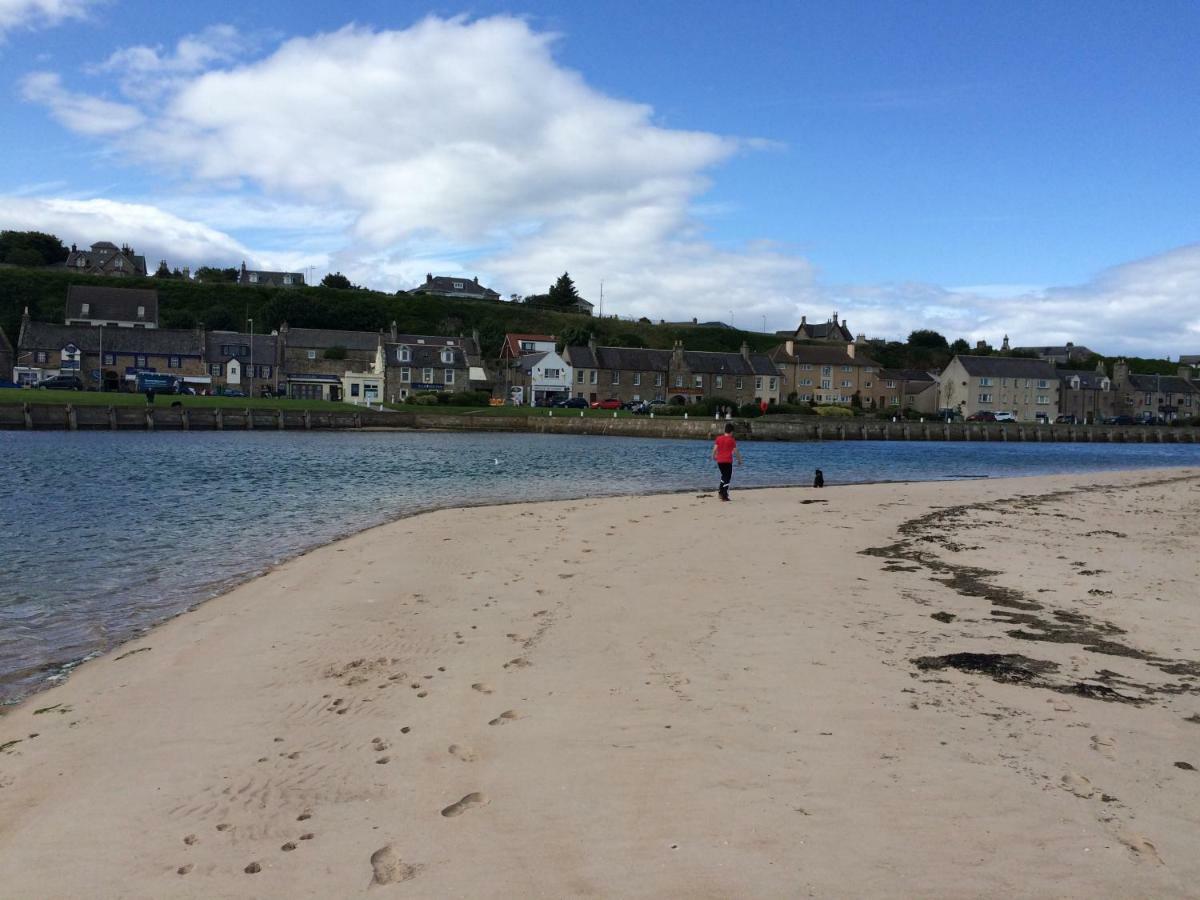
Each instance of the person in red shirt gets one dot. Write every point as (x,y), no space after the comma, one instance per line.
(724,449)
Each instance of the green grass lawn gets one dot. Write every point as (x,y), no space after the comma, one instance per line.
(94,398)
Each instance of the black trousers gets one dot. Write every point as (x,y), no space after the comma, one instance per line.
(726,474)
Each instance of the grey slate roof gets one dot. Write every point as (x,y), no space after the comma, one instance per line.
(1007,367)
(450,286)
(265,346)
(1163,384)
(424,356)
(264,278)
(111,304)
(820,355)
(636,359)
(1089,379)
(911,376)
(708,363)
(157,341)
(1072,352)
(324,338)
(528,361)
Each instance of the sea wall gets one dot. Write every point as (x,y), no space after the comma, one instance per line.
(68,417)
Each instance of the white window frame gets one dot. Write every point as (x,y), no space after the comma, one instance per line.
(405,375)
(427,375)
(985,398)
(448,377)
(718,381)
(312,354)
(403,354)
(698,381)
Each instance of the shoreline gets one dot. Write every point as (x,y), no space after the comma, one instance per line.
(654,695)
(215,590)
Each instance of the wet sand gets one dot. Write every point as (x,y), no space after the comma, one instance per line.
(984,688)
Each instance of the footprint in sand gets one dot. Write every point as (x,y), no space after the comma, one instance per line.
(288,847)
(252,869)
(307,814)
(383,760)
(1104,745)
(482,686)
(183,870)
(1078,785)
(224,826)
(463,754)
(389,868)
(461,806)
(379,744)
(519,663)
(509,715)
(1141,847)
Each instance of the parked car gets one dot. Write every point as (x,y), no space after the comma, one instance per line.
(229,392)
(1119,420)
(62,383)
(610,403)
(1004,416)
(640,408)
(575,403)
(982,416)
(948,414)
(1067,419)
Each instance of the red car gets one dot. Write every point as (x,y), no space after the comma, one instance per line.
(610,403)
(982,416)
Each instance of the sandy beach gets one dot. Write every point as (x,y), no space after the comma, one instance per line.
(984,688)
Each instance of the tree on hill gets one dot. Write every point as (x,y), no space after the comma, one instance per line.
(31,248)
(164,272)
(960,346)
(574,335)
(928,338)
(563,293)
(212,275)
(336,280)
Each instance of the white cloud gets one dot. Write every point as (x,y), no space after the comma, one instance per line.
(80,112)
(151,231)
(32,14)
(465,146)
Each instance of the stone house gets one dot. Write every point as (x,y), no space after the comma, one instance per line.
(115,307)
(263,278)
(243,362)
(1059,356)
(910,389)
(460,287)
(314,360)
(1087,395)
(105,258)
(829,375)
(830,332)
(1028,388)
(1170,396)
(677,375)
(111,357)
(416,363)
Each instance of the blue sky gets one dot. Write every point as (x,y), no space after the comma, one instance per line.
(985,168)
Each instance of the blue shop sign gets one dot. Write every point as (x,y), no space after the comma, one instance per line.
(425,386)
(139,370)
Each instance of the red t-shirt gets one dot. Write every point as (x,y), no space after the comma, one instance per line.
(725,445)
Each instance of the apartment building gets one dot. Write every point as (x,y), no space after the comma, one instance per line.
(1028,388)
(830,375)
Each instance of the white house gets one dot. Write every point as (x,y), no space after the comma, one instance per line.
(540,378)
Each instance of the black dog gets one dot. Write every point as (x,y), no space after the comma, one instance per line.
(819,479)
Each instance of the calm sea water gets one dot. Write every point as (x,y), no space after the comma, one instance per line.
(103,535)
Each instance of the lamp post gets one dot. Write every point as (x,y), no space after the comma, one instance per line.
(251,357)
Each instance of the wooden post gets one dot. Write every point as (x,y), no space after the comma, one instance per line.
(72,418)
(279,418)
(307,420)
(219,418)
(184,419)
(149,418)
(249,419)
(112,418)
(28,416)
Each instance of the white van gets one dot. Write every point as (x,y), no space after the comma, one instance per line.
(1003,416)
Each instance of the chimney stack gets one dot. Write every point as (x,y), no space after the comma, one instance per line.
(789,347)
(745,351)
(429,278)
(850,350)
(395,332)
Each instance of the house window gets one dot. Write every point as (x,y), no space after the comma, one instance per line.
(406,375)
(758,382)
(719,381)
(120,263)
(678,381)
(403,355)
(110,359)
(806,367)
(866,384)
(214,369)
(449,377)
(141,312)
(1043,400)
(458,285)
(254,278)
(985,398)
(826,370)
(312,354)
(847,383)
(527,345)
(173,362)
(868,369)
(1003,382)
(616,377)
(1041,383)
(889,383)
(737,384)
(985,382)
(579,377)
(774,384)
(658,379)
(447,356)
(84,309)
(637,379)
(1147,400)
(427,375)
(264,371)
(847,368)
(593,376)
(140,361)
(553,373)
(698,381)
(287,279)
(41,356)
(826,383)
(354,386)
(805,382)
(895,401)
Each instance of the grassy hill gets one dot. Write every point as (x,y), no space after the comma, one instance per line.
(184,304)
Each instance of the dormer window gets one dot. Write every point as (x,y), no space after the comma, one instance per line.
(287,279)
(119,264)
(458,285)
(254,278)
(84,309)
(403,355)
(141,312)
(447,356)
